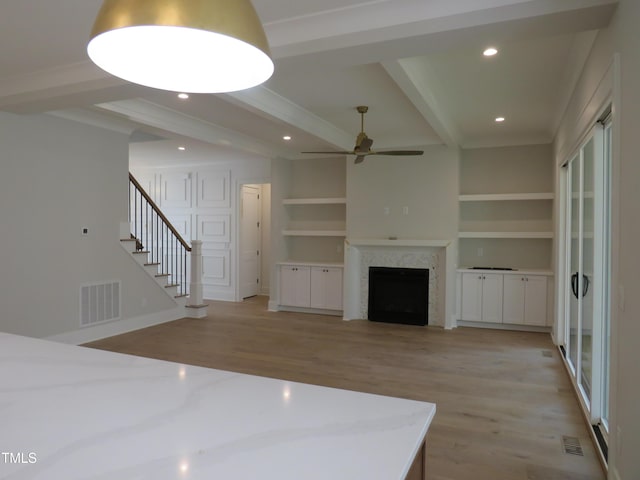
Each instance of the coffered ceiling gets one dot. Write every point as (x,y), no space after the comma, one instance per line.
(418,64)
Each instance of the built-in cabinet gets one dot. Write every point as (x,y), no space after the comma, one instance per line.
(310,198)
(295,285)
(525,300)
(311,286)
(510,297)
(482,297)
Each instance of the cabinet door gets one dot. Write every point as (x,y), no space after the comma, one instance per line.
(295,286)
(326,288)
(513,302)
(471,305)
(492,297)
(535,301)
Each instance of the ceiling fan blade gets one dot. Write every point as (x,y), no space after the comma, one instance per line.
(334,153)
(359,159)
(399,152)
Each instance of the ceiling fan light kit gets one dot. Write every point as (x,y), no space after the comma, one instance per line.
(194,46)
(363,143)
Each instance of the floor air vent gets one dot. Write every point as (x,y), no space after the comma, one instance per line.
(571,446)
(99,302)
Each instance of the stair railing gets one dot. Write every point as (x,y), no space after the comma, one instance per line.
(155,235)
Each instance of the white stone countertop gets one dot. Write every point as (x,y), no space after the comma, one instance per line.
(69,413)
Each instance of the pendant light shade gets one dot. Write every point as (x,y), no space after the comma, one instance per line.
(196,46)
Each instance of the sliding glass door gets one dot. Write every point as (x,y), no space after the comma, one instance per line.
(587,253)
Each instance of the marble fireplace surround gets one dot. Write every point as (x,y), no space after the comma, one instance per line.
(436,255)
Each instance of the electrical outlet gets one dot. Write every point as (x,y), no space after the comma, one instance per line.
(480,251)
(386,210)
(405,210)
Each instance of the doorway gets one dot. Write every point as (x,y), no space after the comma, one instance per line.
(586,292)
(254,234)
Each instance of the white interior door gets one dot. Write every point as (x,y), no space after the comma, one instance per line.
(250,241)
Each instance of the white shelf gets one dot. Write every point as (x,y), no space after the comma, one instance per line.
(314,233)
(505,234)
(314,201)
(488,197)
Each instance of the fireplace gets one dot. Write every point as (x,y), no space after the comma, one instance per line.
(399,295)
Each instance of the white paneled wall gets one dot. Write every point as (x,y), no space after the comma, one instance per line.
(201,203)
(198,203)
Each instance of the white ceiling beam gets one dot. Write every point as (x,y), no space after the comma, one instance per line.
(416,81)
(374,22)
(163,118)
(268,104)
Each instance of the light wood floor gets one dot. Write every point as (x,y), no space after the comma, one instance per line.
(503,404)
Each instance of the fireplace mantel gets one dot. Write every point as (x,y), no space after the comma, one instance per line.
(396,242)
(355,295)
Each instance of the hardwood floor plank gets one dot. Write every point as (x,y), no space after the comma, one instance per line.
(503,404)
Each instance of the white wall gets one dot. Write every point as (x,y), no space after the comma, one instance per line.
(622,37)
(59,176)
(427,185)
(626,235)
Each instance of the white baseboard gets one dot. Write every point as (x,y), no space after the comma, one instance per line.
(273,306)
(98,332)
(215,294)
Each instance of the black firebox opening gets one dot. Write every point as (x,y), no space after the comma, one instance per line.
(399,295)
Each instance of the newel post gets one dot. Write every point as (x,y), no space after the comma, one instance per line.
(196,308)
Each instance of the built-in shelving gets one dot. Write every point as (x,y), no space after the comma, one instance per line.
(506,207)
(314,233)
(491,197)
(315,201)
(505,234)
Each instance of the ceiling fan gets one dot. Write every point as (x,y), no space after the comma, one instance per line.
(363,143)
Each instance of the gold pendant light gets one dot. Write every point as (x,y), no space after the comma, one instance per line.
(196,46)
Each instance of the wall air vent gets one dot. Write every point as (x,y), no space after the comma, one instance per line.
(99,302)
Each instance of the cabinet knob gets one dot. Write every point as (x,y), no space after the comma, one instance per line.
(480,277)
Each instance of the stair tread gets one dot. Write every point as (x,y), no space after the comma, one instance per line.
(172,285)
(137,252)
(163,275)
(181,296)
(151,264)
(127,239)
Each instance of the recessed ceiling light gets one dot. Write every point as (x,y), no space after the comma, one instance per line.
(181,148)
(500,119)
(490,52)
(286,137)
(183,96)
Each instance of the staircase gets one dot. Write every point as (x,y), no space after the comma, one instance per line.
(160,250)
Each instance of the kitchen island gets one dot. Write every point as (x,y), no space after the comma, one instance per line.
(73,413)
